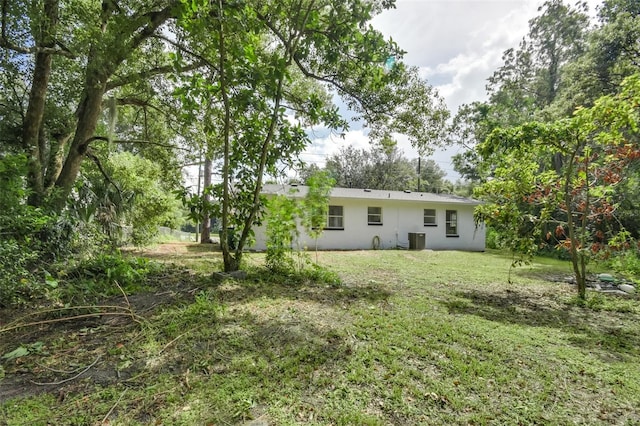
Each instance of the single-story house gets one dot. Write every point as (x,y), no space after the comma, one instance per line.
(362,219)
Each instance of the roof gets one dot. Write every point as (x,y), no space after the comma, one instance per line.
(371,194)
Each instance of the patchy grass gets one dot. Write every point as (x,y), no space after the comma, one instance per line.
(408,338)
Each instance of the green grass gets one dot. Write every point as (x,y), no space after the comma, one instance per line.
(409,338)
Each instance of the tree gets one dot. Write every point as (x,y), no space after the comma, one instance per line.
(316,205)
(306,172)
(389,169)
(532,84)
(98,52)
(277,58)
(378,168)
(576,204)
(527,83)
(431,176)
(469,128)
(348,167)
(612,54)
(531,76)
(263,68)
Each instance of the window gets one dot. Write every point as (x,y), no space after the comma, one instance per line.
(430,217)
(374,215)
(335,218)
(452,223)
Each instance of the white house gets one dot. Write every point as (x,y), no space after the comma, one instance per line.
(361,219)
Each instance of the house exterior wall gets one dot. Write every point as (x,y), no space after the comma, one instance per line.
(399,218)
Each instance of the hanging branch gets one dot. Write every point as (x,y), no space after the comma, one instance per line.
(104,173)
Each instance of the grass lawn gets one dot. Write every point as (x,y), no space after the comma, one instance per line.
(407,338)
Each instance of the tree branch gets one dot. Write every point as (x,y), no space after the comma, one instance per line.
(156,19)
(59,382)
(201,59)
(60,50)
(308,73)
(131,78)
(8,44)
(136,141)
(97,162)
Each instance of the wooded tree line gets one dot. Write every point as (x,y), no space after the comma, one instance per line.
(382,167)
(555,147)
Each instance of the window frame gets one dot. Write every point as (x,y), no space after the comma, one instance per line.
(371,215)
(434,216)
(339,216)
(451,223)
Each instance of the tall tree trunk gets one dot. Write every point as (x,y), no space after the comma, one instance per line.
(205,236)
(88,114)
(104,59)
(34,117)
(577,259)
(231,263)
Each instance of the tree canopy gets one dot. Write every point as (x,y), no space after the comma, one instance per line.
(385,168)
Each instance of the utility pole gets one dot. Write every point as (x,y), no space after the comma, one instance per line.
(419,163)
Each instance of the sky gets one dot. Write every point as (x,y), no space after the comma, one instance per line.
(457,45)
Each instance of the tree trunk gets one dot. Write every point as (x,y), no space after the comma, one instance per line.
(103,60)
(574,245)
(231,263)
(34,116)
(57,150)
(205,236)
(88,114)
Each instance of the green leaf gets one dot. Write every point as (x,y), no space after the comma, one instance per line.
(17,353)
(50,281)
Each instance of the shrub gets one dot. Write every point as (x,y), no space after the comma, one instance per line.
(492,237)
(31,238)
(282,232)
(626,263)
(98,276)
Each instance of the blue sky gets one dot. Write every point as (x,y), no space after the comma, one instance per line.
(457,44)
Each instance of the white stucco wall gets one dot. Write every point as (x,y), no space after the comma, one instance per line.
(399,218)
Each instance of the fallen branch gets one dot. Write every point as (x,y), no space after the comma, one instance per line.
(118,311)
(75,370)
(70,378)
(126,299)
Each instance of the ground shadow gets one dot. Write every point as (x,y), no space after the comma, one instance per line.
(328,294)
(613,332)
(177,287)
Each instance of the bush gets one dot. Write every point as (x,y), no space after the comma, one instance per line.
(492,238)
(16,281)
(322,275)
(106,274)
(33,241)
(282,232)
(30,238)
(626,263)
